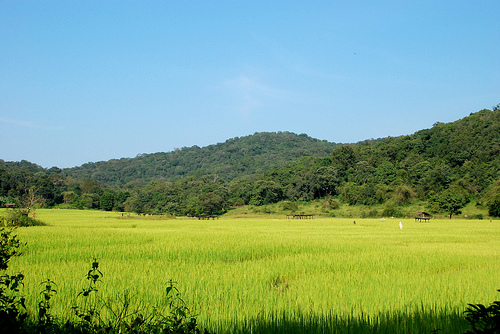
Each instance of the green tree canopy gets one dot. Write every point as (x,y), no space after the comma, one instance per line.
(451,202)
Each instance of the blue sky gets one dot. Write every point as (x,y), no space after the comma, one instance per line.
(85,81)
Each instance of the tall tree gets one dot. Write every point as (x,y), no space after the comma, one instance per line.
(451,202)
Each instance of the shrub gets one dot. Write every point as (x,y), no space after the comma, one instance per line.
(331,203)
(391,210)
(403,194)
(20,218)
(289,206)
(494,208)
(483,319)
(12,307)
(9,246)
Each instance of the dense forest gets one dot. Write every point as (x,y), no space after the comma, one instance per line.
(234,158)
(446,166)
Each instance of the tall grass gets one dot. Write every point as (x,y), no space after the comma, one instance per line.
(274,275)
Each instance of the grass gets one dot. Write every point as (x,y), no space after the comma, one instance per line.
(274,275)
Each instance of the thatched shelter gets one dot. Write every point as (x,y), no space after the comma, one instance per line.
(422,215)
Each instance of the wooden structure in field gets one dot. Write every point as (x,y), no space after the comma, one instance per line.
(423,216)
(299,216)
(207,217)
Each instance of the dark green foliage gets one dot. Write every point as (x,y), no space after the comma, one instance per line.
(234,158)
(45,318)
(87,310)
(120,198)
(353,193)
(179,320)
(484,319)
(492,198)
(12,306)
(266,192)
(9,246)
(88,201)
(385,173)
(21,186)
(344,158)
(451,202)
(211,204)
(47,189)
(107,200)
(494,208)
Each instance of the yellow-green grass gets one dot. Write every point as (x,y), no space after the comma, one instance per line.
(239,273)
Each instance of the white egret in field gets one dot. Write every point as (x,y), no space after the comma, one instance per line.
(400,225)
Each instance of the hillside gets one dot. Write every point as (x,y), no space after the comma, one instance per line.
(463,155)
(236,157)
(442,168)
(475,138)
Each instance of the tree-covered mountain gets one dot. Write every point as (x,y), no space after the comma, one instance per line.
(462,155)
(23,165)
(445,167)
(236,157)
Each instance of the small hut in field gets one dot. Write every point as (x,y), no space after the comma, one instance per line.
(422,215)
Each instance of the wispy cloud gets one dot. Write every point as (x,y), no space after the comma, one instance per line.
(28,124)
(19,123)
(251,93)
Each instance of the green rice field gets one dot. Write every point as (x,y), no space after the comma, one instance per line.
(271,274)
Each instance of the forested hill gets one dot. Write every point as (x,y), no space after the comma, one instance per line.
(472,139)
(463,155)
(447,164)
(232,159)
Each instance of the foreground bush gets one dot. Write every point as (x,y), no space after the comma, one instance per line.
(484,319)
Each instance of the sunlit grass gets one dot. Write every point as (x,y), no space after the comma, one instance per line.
(269,271)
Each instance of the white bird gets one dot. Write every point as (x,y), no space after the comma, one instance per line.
(400,225)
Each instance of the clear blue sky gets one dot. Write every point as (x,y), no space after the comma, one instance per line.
(84,81)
